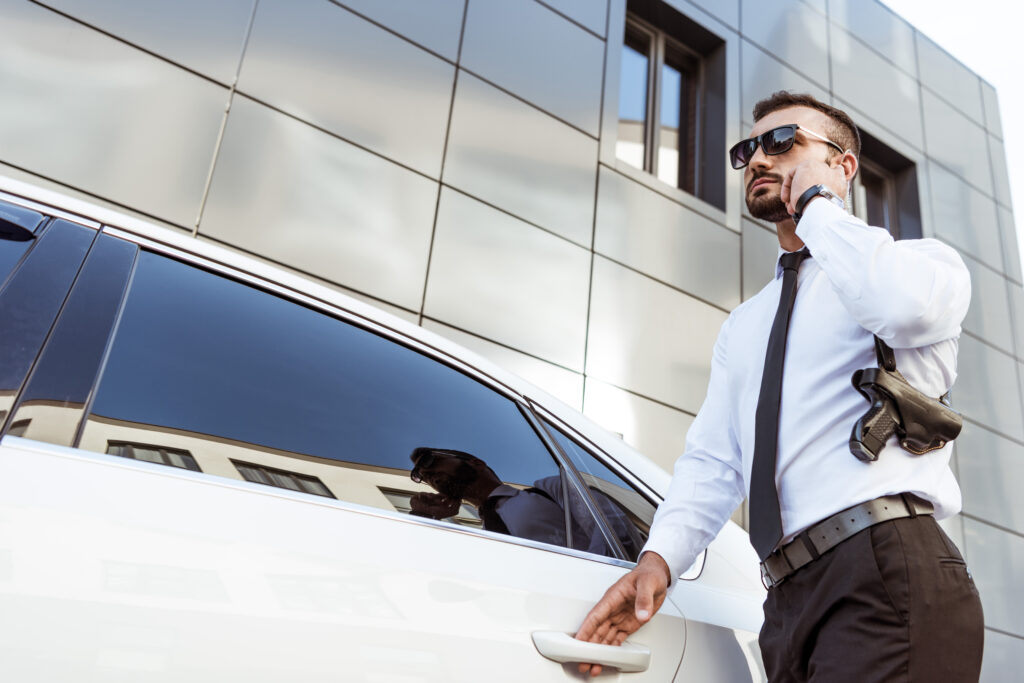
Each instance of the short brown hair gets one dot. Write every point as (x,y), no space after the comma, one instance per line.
(841,130)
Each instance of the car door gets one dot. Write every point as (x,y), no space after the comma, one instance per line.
(205,477)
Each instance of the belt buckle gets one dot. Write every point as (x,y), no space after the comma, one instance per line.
(766,578)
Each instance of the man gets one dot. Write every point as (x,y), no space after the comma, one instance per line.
(457,476)
(855,599)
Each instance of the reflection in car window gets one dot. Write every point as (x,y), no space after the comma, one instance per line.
(629,514)
(256,386)
(12,250)
(31,299)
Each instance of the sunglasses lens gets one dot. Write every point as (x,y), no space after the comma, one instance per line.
(778,140)
(741,153)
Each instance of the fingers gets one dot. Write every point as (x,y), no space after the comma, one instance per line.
(787,186)
(646,585)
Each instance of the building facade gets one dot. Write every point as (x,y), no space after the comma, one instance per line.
(543,181)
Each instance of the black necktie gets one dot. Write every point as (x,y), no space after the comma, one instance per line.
(765,517)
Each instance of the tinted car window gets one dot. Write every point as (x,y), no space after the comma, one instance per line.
(258,387)
(31,298)
(12,250)
(52,404)
(627,511)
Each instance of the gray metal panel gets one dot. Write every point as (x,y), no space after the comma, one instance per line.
(508,281)
(206,37)
(590,13)
(990,100)
(763,75)
(760,254)
(1003,657)
(986,388)
(792,32)
(1015,294)
(1011,248)
(991,474)
(563,384)
(434,24)
(988,316)
(997,562)
(957,84)
(887,95)
(325,65)
(522,160)
(964,217)
(654,429)
(1000,176)
(294,194)
(647,231)
(726,10)
(106,118)
(956,141)
(533,52)
(879,27)
(650,338)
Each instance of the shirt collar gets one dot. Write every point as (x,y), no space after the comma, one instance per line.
(778,266)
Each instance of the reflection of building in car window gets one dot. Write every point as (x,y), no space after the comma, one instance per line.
(271,476)
(401,501)
(159,454)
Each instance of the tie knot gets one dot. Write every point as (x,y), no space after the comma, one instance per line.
(791,260)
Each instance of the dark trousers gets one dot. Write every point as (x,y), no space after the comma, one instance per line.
(894,602)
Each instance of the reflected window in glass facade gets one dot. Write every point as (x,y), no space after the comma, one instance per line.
(677,141)
(631,145)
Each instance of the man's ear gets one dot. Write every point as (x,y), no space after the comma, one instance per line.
(849,163)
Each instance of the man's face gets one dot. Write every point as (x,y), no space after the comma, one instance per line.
(764,175)
(449,476)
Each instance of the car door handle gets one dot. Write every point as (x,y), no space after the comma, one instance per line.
(562,647)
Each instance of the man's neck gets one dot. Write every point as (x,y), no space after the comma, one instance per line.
(788,240)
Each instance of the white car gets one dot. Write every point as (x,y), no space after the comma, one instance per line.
(212,469)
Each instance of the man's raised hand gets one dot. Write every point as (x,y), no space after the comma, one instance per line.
(626,606)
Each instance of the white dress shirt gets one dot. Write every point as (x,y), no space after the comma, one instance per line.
(913,294)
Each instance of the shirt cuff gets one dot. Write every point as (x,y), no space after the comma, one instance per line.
(818,213)
(671,552)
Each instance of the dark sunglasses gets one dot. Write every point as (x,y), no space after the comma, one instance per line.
(424,458)
(775,141)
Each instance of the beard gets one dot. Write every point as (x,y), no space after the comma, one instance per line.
(455,485)
(767,206)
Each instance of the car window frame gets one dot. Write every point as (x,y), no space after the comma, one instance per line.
(232,271)
(544,415)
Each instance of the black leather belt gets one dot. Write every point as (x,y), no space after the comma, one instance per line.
(828,533)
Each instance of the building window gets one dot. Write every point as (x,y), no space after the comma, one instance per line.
(884,191)
(671,107)
(282,479)
(174,457)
